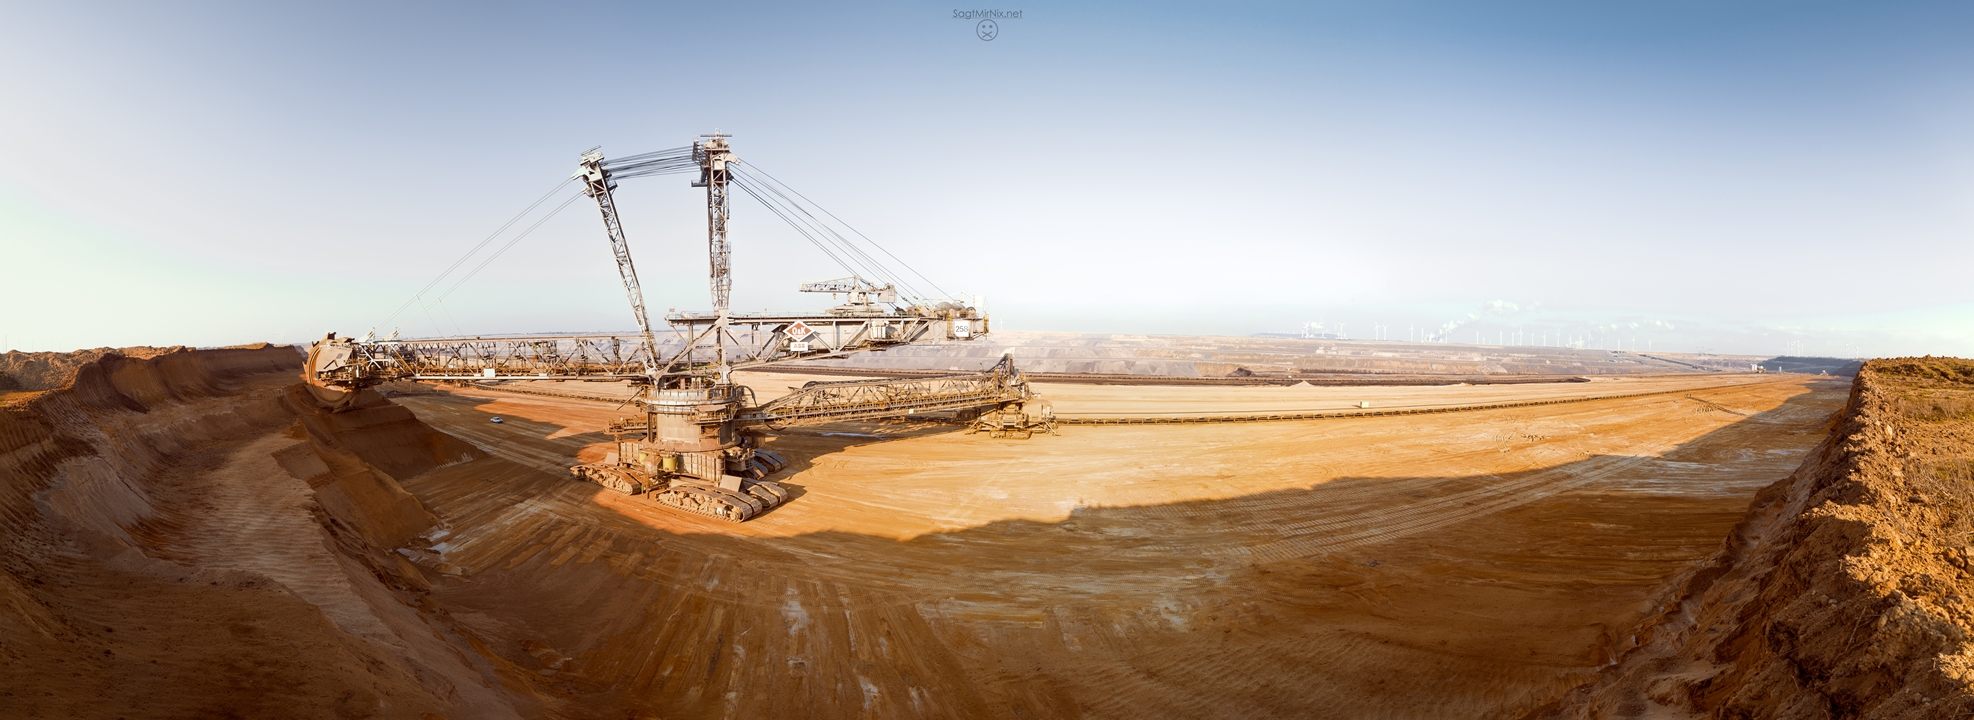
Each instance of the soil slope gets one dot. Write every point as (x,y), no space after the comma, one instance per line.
(1845,592)
(49,370)
(194,535)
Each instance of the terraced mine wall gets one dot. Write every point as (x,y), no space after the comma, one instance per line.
(1846,592)
(195,534)
(21,371)
(1812,365)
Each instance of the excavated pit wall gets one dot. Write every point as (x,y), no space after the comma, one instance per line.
(1848,590)
(49,370)
(196,535)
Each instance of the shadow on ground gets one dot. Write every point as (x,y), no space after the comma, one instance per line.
(1468,596)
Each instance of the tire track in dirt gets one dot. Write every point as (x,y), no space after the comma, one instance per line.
(508,448)
(1366,531)
(865,599)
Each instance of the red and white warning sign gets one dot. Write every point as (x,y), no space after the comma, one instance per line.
(798,330)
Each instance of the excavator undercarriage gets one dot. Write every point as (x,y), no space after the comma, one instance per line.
(697,450)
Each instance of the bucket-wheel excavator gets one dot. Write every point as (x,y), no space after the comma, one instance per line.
(696,446)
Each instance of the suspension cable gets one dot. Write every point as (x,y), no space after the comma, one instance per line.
(765,189)
(816,235)
(864,265)
(503,249)
(469,254)
(797,227)
(877,269)
(662,162)
(750,167)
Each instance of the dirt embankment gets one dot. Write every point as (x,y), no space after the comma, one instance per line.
(1846,592)
(1812,365)
(50,370)
(196,535)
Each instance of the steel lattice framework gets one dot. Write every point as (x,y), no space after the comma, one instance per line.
(714,156)
(559,357)
(702,349)
(746,340)
(697,445)
(597,183)
(869,399)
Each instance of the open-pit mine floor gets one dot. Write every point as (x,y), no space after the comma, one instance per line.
(1465,564)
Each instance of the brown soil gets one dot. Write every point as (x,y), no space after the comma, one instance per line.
(1464,565)
(195,536)
(1845,591)
(49,370)
(1081,400)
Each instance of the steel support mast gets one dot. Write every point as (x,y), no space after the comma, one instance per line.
(713,155)
(597,184)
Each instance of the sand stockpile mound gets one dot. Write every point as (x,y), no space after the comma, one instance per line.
(195,535)
(1847,590)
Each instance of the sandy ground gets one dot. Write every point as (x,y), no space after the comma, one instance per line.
(1117,401)
(1472,564)
(183,540)
(1843,593)
(1076,400)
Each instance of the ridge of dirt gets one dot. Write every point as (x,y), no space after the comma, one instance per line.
(1846,590)
(49,370)
(193,534)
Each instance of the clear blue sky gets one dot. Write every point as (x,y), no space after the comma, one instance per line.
(1733,176)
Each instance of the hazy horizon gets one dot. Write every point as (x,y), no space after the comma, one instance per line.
(1753,178)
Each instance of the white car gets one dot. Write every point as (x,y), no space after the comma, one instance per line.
(496,418)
